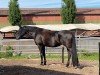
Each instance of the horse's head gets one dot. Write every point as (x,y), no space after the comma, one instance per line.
(21,32)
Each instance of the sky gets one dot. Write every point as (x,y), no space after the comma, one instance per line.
(51,3)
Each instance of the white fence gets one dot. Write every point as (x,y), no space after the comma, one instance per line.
(90,43)
(28,45)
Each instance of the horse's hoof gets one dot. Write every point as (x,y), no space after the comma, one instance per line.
(41,64)
(67,65)
(76,66)
(44,63)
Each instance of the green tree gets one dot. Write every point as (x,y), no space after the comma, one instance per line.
(15,17)
(68,11)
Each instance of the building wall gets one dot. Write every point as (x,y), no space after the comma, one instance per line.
(42,19)
(49,19)
(92,18)
(89,18)
(3,19)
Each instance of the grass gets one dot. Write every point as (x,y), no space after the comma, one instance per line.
(32,23)
(44,23)
(89,56)
(82,56)
(4,24)
(41,22)
(1,26)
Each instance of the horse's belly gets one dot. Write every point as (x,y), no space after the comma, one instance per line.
(51,44)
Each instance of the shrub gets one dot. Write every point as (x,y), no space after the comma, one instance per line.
(9,51)
(14,17)
(68,11)
(2,55)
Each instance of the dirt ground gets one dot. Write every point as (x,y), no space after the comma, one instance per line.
(32,67)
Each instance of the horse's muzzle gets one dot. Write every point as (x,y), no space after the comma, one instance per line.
(17,38)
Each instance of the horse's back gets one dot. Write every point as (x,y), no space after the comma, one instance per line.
(66,38)
(65,34)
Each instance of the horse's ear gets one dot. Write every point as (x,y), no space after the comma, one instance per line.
(20,26)
(25,27)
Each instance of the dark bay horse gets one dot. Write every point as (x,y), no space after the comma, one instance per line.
(49,38)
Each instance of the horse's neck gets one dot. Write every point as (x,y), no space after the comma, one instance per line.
(31,34)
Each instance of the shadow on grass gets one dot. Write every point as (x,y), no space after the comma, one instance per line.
(24,70)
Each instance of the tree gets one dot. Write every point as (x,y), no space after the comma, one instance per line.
(68,11)
(15,17)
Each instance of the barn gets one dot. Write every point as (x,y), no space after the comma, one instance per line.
(51,15)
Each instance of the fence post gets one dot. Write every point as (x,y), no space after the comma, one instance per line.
(1,38)
(0,44)
(63,54)
(99,46)
(99,57)
(99,51)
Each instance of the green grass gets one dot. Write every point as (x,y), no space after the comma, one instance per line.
(41,22)
(33,23)
(22,56)
(89,56)
(4,24)
(95,22)
(82,56)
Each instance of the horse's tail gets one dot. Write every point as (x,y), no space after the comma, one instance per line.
(75,60)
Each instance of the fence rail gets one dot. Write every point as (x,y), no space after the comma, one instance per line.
(28,45)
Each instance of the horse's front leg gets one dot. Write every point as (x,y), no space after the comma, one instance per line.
(44,55)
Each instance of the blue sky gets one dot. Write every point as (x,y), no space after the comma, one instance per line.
(51,3)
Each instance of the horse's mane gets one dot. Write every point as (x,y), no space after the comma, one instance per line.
(36,28)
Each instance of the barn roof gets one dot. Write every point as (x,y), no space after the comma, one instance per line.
(56,27)
(34,11)
(38,11)
(70,26)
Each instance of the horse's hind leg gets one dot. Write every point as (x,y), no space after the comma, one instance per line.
(41,53)
(44,55)
(69,56)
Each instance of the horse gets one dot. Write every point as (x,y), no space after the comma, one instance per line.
(49,38)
